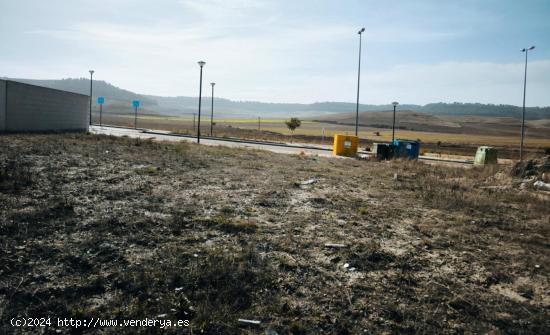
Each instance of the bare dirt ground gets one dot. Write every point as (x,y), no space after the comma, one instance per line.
(118,228)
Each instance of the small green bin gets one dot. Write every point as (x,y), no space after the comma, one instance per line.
(486,155)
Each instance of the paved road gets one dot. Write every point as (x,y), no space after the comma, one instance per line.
(294,148)
(165,136)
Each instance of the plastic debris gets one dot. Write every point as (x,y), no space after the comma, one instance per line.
(542,185)
(251,322)
(309,181)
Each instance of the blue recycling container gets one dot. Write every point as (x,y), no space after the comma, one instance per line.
(406,149)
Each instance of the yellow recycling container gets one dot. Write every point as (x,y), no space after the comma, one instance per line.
(345,145)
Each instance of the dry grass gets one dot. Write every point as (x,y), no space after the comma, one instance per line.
(455,143)
(97,226)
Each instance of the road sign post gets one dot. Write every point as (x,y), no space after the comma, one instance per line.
(135,103)
(100,101)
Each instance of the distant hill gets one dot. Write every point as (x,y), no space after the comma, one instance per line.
(407,119)
(477,109)
(449,124)
(451,109)
(118,101)
(82,86)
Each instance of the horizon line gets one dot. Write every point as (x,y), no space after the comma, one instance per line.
(284,103)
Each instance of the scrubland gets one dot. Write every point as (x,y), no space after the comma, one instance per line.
(119,228)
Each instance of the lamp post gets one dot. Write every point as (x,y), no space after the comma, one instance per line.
(201,64)
(395,103)
(212,110)
(526,50)
(91,81)
(360,32)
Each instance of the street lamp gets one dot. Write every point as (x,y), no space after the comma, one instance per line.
(212,110)
(360,32)
(395,103)
(201,64)
(523,114)
(91,80)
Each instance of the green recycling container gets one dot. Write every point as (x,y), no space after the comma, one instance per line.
(486,155)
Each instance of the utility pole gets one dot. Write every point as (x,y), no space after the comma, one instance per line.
(395,103)
(360,32)
(526,50)
(91,81)
(212,111)
(259,124)
(201,64)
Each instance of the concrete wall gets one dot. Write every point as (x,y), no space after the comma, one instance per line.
(2,105)
(35,108)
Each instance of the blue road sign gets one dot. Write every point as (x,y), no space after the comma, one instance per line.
(135,103)
(101,100)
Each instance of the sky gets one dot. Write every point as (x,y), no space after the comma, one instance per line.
(305,51)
